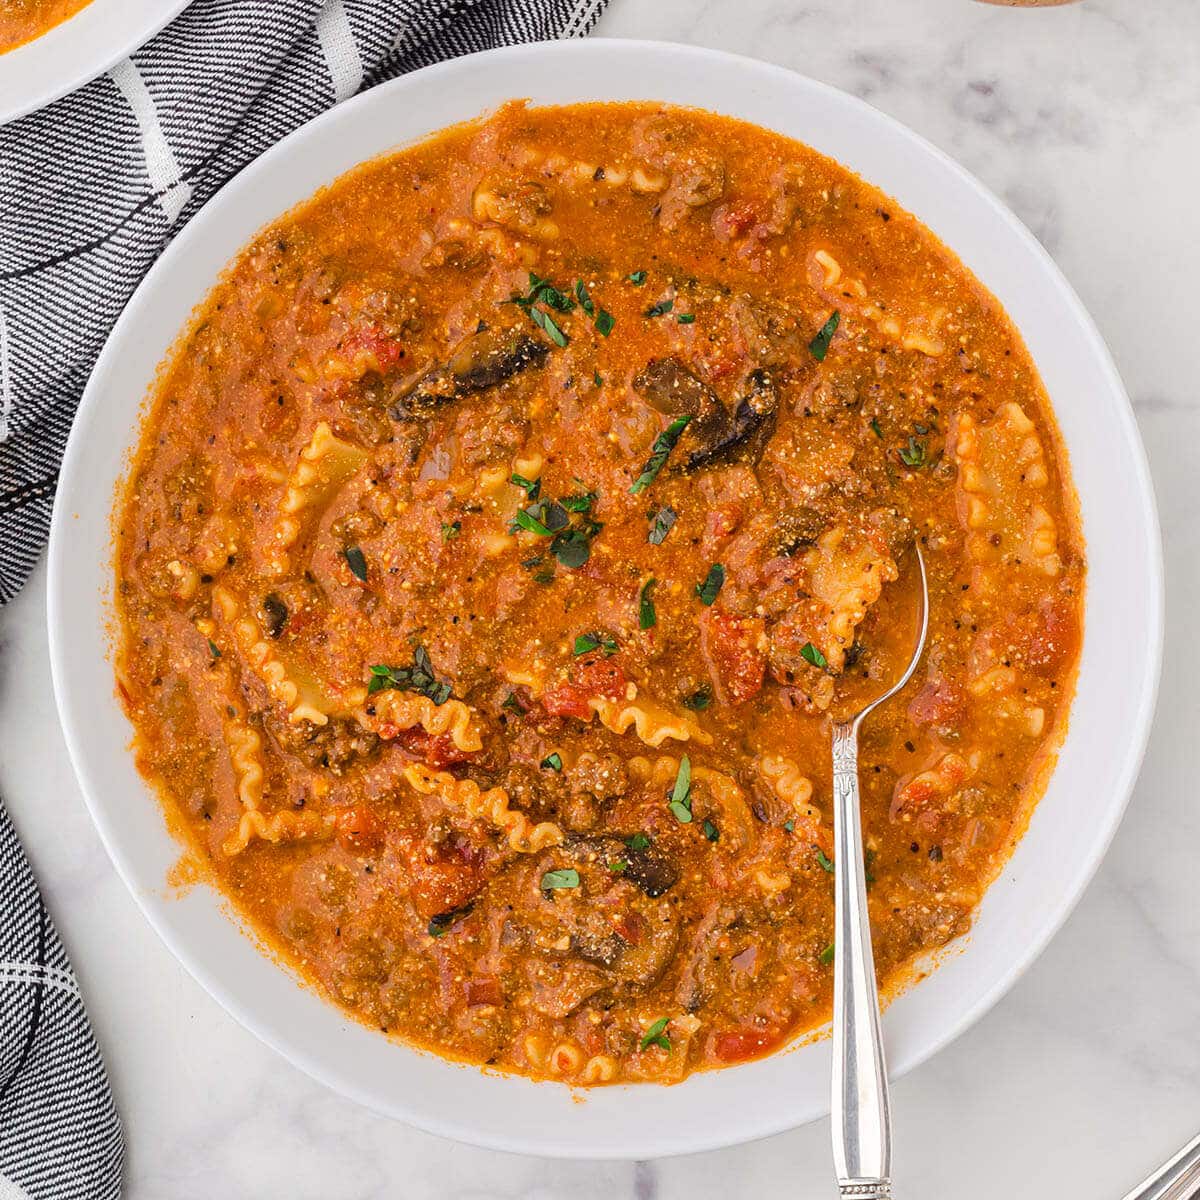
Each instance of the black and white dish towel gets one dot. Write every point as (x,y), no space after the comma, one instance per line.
(92,189)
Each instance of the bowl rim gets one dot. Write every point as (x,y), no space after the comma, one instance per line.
(76,51)
(658,1142)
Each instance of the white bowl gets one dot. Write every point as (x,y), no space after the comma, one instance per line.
(71,54)
(1070,830)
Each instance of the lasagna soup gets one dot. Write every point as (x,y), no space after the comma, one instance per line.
(23,20)
(506,531)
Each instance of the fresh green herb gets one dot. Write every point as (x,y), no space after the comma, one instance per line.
(869,858)
(875,428)
(596,379)
(913,455)
(585,301)
(826,863)
(656,1035)
(451,531)
(546,322)
(573,547)
(711,832)
(647,616)
(544,292)
(604,322)
(585,643)
(214,649)
(819,346)
(659,452)
(419,678)
(513,703)
(638,841)
(356,562)
(568,877)
(546,576)
(552,761)
(531,487)
(637,278)
(618,866)
(578,504)
(713,582)
(686,318)
(826,955)
(443,921)
(681,794)
(545,518)
(789,825)
(660,309)
(811,654)
(661,525)
(699,700)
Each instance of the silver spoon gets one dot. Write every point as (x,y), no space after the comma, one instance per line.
(862,1118)
(1178,1179)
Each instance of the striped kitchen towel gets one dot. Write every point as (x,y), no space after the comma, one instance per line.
(91,190)
(93,187)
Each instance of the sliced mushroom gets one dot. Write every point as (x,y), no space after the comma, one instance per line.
(670,388)
(748,432)
(482,360)
(649,868)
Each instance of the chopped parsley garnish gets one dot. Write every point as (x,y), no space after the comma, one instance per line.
(875,429)
(542,291)
(604,322)
(686,318)
(568,877)
(618,866)
(660,309)
(546,322)
(578,504)
(868,859)
(789,825)
(663,445)
(826,955)
(356,562)
(913,455)
(545,517)
(451,531)
(812,655)
(826,863)
(214,649)
(656,1035)
(585,643)
(819,346)
(699,700)
(637,278)
(442,922)
(661,524)
(573,547)
(552,762)
(711,832)
(647,616)
(531,487)
(585,301)
(596,379)
(681,794)
(713,582)
(513,703)
(419,678)
(638,841)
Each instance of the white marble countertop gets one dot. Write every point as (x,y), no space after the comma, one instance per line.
(1086,120)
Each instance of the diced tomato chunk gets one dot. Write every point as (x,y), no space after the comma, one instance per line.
(737,1045)
(733,219)
(485,990)
(596,675)
(359,829)
(434,750)
(1054,634)
(731,647)
(566,700)
(371,347)
(441,886)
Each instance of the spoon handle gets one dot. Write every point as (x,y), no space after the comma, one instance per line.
(862,1121)
(1175,1179)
